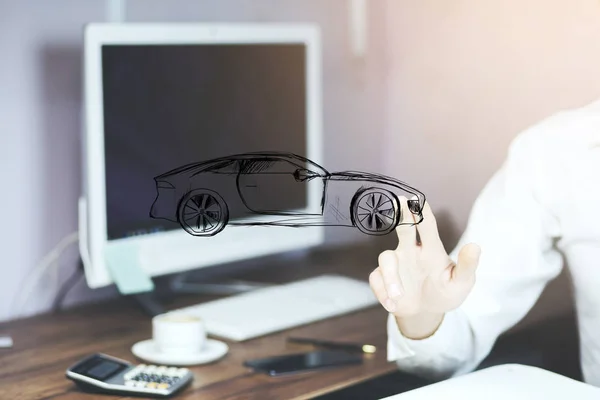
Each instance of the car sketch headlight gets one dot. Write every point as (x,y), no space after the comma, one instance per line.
(414,207)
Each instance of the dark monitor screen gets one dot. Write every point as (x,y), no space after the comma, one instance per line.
(166,106)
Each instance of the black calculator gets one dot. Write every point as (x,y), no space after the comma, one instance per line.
(106,374)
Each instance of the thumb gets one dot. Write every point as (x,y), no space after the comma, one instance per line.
(468,260)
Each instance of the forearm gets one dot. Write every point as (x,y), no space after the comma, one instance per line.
(447,350)
(420,326)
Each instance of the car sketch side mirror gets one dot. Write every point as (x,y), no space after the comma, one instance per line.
(302,174)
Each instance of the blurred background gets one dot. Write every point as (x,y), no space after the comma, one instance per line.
(434,97)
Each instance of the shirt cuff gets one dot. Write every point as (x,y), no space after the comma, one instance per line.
(400,347)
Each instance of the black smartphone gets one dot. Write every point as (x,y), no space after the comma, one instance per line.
(296,363)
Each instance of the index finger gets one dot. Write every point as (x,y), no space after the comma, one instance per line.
(428,229)
(406,230)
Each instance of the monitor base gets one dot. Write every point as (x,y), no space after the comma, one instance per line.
(152,306)
(180,284)
(149,303)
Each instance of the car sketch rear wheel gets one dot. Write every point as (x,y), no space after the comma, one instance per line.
(202,212)
(375,211)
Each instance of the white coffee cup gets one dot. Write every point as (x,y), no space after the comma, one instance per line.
(178,333)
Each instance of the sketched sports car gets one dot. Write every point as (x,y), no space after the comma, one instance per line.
(202,197)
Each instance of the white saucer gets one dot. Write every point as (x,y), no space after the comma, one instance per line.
(147,351)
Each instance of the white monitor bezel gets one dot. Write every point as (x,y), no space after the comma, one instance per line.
(176,251)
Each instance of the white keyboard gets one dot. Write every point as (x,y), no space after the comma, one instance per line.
(267,310)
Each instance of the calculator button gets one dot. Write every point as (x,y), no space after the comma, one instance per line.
(130,383)
(163,386)
(140,384)
(161,369)
(138,369)
(152,385)
(131,373)
(172,371)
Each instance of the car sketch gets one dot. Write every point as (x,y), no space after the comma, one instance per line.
(201,196)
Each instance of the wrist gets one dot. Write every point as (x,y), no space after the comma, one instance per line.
(419,326)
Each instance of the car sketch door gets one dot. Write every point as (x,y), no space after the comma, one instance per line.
(278,186)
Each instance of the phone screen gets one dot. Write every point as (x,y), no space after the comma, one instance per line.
(295,363)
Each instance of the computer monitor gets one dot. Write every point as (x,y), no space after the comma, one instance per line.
(162,96)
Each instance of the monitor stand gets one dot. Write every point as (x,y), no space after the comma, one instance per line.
(152,305)
(215,282)
(149,303)
(180,284)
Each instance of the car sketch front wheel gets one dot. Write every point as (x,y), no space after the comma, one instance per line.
(375,211)
(202,212)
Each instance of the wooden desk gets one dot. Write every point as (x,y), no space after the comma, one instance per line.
(46,345)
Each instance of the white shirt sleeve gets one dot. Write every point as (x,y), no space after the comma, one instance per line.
(512,223)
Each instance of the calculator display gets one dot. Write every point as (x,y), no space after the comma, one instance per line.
(104,370)
(100,368)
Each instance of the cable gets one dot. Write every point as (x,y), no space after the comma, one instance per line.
(115,10)
(49,261)
(66,287)
(358,20)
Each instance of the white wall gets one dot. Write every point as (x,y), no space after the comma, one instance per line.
(40,100)
(40,96)
(466,76)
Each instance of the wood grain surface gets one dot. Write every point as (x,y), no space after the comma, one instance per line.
(44,346)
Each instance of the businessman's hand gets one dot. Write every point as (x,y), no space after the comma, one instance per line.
(419,284)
